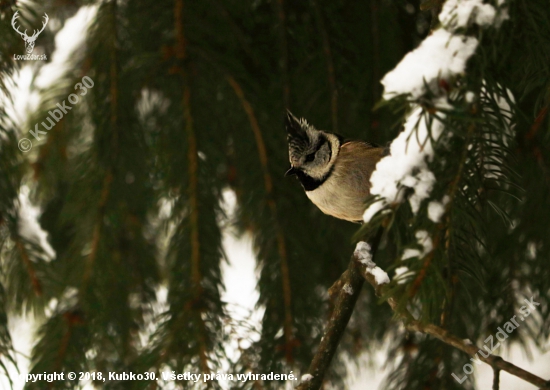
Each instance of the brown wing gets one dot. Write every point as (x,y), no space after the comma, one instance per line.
(359,159)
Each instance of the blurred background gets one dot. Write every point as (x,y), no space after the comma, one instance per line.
(150,228)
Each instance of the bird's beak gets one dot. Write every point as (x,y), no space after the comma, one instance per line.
(291,171)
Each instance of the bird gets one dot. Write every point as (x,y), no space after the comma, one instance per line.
(334,172)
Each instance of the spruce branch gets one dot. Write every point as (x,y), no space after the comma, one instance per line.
(37,287)
(424,270)
(530,136)
(281,243)
(280,10)
(236,29)
(65,341)
(114,122)
(193,190)
(538,121)
(496,362)
(375,38)
(96,237)
(452,193)
(194,221)
(493,360)
(330,65)
(343,309)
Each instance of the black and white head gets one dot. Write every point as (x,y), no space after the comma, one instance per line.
(311,152)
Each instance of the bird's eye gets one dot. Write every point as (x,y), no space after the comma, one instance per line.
(310,157)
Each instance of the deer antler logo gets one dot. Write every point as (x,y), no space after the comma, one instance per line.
(29,41)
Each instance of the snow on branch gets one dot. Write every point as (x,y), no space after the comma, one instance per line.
(406,166)
(457,14)
(435,63)
(425,241)
(28,226)
(363,254)
(442,55)
(68,47)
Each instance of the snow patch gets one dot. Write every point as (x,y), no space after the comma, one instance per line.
(424,239)
(457,14)
(22,100)
(28,226)
(437,209)
(380,275)
(442,55)
(67,42)
(409,253)
(406,166)
(363,253)
(348,289)
(372,210)
(401,274)
(431,67)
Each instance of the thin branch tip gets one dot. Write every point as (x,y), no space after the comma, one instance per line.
(345,299)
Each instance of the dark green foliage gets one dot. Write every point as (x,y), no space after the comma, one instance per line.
(188,102)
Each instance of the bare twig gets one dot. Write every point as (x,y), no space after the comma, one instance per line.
(496,379)
(343,310)
(351,282)
(493,360)
(441,334)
